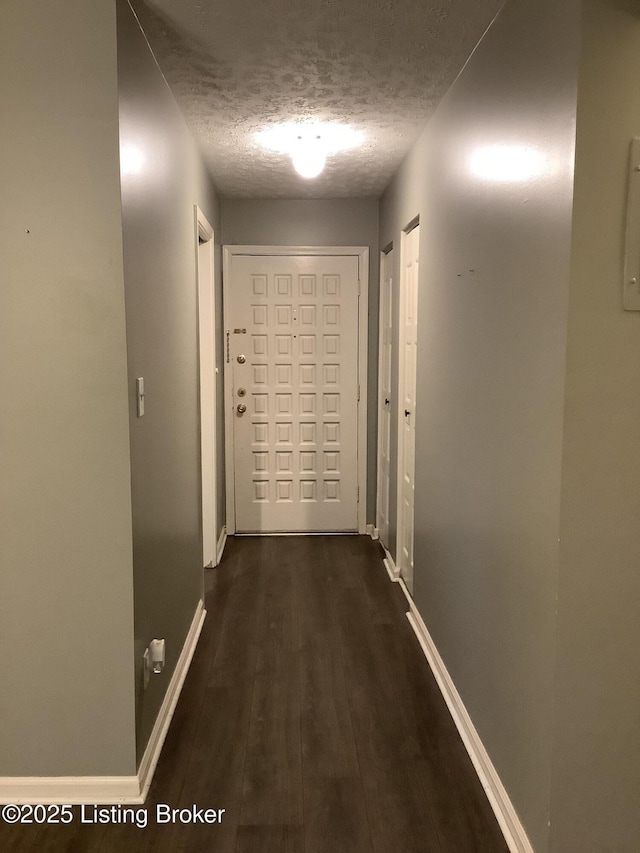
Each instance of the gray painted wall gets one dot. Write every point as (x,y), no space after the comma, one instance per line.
(596,788)
(319,222)
(66,596)
(161,301)
(493,295)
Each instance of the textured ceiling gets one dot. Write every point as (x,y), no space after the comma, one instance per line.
(380,66)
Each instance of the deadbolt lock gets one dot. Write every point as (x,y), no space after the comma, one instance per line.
(241,359)
(241,409)
(242,392)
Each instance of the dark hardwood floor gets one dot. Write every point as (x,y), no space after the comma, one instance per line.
(310,715)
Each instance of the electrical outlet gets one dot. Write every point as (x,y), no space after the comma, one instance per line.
(156,652)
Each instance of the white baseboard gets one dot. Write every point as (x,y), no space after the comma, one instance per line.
(76,790)
(373,531)
(390,567)
(69,790)
(405,589)
(512,829)
(392,570)
(222,541)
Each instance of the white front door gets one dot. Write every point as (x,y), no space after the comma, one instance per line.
(293,359)
(407,401)
(384,396)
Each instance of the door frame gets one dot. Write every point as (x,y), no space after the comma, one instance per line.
(362,254)
(207,385)
(402,287)
(384,271)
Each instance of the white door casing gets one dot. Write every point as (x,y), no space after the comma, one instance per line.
(408,339)
(207,377)
(293,320)
(385,339)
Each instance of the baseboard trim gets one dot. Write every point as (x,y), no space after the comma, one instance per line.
(373,531)
(512,829)
(76,790)
(69,790)
(222,541)
(392,570)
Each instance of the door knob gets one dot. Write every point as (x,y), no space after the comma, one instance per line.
(241,359)
(241,408)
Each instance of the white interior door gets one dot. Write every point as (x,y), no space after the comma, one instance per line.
(384,396)
(207,359)
(293,359)
(407,401)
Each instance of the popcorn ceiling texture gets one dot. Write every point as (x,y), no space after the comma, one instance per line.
(380,66)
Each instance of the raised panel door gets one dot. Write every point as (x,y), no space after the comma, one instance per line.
(293,347)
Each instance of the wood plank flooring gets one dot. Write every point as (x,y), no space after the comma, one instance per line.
(310,715)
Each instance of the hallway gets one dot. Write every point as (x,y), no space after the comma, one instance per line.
(310,715)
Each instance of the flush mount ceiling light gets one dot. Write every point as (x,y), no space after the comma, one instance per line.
(309,143)
(309,156)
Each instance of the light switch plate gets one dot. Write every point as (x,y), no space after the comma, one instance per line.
(140,395)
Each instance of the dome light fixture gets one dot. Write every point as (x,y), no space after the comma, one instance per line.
(309,156)
(309,143)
